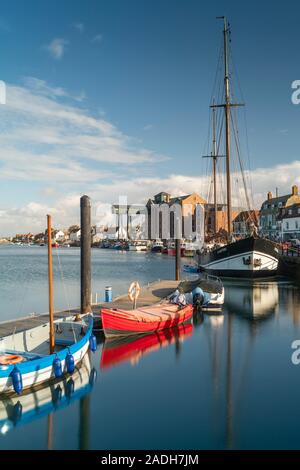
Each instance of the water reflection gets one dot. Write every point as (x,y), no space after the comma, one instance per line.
(253,300)
(132,349)
(20,410)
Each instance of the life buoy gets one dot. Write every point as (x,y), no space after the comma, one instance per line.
(10,359)
(134,291)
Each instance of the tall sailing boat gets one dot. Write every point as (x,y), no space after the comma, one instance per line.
(251,257)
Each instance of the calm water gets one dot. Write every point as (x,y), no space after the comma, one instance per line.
(225,382)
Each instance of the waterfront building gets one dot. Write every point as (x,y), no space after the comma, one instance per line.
(269,216)
(187,203)
(288,222)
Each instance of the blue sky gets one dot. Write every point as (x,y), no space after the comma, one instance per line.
(111,97)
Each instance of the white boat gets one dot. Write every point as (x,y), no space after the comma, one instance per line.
(138,246)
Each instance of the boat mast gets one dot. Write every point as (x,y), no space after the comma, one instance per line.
(227,127)
(50,279)
(227,105)
(214,155)
(215,168)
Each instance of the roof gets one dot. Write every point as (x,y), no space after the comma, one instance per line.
(289,212)
(247,216)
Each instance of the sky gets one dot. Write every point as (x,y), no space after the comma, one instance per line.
(111,98)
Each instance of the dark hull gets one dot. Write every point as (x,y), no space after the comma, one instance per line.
(252,258)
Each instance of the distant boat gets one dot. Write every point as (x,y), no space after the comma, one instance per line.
(138,246)
(55,245)
(117,322)
(157,246)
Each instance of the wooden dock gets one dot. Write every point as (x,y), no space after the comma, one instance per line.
(151,293)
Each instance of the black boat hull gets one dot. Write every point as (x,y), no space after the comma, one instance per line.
(251,258)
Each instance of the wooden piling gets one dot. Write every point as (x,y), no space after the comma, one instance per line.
(177,259)
(85,254)
(50,284)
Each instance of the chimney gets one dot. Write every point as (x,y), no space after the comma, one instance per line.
(294,190)
(269,195)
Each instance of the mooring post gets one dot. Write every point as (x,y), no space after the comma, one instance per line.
(177,260)
(85,254)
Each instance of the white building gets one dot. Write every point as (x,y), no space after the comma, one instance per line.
(288,222)
(59,236)
(75,236)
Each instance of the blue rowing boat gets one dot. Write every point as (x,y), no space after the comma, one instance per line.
(25,361)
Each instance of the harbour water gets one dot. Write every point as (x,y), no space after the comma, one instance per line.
(225,382)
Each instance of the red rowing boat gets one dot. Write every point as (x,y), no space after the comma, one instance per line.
(118,322)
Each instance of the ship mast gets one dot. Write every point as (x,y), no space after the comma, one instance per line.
(214,155)
(227,105)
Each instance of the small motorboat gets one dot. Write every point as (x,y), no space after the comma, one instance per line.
(157,246)
(118,322)
(207,301)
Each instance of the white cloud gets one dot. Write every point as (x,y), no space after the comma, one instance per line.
(57,47)
(97,38)
(65,208)
(79,26)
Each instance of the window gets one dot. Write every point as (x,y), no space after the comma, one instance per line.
(287,225)
(296,224)
(279,204)
(290,212)
(298,210)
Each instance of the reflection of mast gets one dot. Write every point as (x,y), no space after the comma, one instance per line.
(229,404)
(84,422)
(50,431)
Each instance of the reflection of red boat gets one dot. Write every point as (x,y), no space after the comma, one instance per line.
(144,319)
(132,349)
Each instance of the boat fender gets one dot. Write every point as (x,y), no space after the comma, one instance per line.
(134,291)
(93,343)
(57,367)
(70,363)
(56,395)
(17,380)
(69,388)
(17,412)
(93,376)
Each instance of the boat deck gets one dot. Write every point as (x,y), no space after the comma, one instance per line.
(150,294)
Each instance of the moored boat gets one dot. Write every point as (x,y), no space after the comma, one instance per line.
(157,246)
(118,322)
(25,354)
